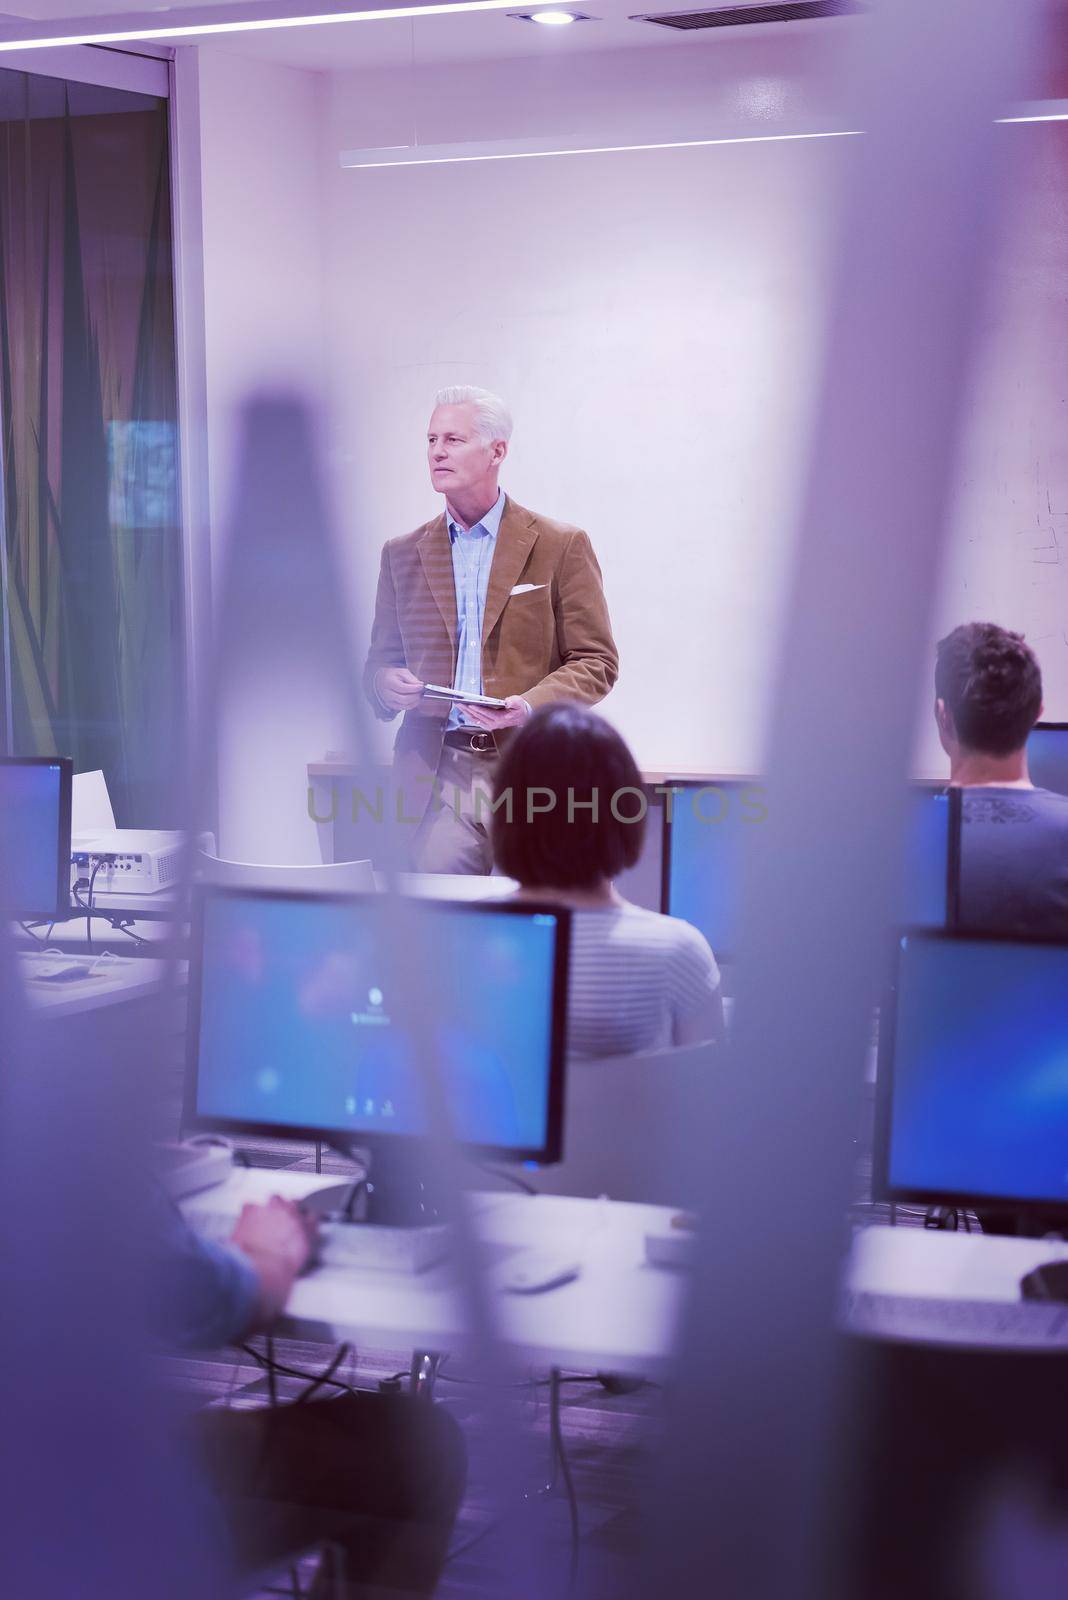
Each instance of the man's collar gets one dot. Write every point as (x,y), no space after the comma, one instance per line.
(491,522)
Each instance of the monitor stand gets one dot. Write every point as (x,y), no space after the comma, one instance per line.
(392,1193)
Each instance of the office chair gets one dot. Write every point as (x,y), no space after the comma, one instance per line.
(327,877)
(629,1126)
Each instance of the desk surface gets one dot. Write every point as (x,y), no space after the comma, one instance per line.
(339,766)
(160,918)
(113,982)
(931,1265)
(621,1313)
(348,767)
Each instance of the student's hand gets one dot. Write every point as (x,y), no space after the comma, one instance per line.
(514,712)
(278,1239)
(397,688)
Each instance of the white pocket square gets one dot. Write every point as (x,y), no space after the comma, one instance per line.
(525,588)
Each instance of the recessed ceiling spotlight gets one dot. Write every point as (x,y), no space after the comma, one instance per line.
(551,19)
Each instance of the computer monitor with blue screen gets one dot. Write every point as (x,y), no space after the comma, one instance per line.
(294,1031)
(973,1075)
(705,829)
(35,799)
(705,832)
(1047,756)
(929,874)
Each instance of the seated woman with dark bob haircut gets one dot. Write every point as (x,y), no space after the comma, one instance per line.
(569,816)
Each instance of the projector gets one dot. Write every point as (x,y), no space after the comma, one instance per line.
(126,860)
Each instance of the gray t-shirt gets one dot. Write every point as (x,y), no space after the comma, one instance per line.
(1014,861)
(639,981)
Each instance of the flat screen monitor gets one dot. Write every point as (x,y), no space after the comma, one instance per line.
(35,795)
(705,829)
(1047,756)
(932,848)
(294,1031)
(973,1074)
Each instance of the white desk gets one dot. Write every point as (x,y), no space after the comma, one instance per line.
(132,978)
(621,1313)
(165,903)
(931,1265)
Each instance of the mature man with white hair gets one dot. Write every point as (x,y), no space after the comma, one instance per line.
(485,599)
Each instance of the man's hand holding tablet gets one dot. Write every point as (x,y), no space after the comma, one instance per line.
(397,688)
(505,714)
(483,709)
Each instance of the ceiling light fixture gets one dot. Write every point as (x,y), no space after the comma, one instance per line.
(253,24)
(1039,111)
(551,19)
(430,155)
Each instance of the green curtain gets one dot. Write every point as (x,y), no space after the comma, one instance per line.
(93,576)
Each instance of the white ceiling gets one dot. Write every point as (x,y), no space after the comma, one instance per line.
(479,36)
(462,36)
(467,36)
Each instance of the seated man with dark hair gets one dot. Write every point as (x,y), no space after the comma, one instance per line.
(378,1477)
(1014,837)
(568,817)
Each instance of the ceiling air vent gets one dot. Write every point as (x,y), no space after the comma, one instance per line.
(745,16)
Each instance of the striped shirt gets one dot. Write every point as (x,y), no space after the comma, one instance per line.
(639,981)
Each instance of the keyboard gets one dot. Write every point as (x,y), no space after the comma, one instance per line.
(1019,1325)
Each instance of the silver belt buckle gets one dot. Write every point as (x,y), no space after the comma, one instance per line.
(481,742)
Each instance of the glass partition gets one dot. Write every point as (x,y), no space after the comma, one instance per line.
(92,580)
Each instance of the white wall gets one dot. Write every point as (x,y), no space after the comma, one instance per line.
(1008,555)
(263,184)
(653,317)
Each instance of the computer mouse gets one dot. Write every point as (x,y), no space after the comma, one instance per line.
(1049,1282)
(63,970)
(533,1271)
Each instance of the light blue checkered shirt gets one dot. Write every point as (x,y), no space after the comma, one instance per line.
(472,558)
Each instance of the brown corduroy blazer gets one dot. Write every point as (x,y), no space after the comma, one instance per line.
(551,642)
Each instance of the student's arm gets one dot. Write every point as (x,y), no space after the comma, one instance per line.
(278,1240)
(205,1295)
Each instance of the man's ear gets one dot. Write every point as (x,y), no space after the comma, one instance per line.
(944,719)
(500,450)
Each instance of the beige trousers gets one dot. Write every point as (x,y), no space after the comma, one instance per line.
(453,835)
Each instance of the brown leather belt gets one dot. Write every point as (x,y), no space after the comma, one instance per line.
(474,739)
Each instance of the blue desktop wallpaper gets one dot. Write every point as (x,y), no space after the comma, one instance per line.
(708,830)
(29,838)
(1047,758)
(980,1103)
(923,878)
(297,1026)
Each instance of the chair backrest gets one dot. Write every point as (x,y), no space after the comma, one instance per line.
(330,877)
(631,1126)
(455,885)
